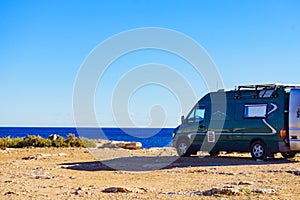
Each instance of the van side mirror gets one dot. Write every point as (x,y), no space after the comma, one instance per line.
(182,119)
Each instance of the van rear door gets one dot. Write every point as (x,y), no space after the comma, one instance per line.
(294,119)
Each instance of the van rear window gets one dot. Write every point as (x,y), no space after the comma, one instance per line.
(255,110)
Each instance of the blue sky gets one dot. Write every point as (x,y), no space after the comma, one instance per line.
(44,43)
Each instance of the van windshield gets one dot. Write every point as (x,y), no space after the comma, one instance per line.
(196,115)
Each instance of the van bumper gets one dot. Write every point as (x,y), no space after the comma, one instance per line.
(294,137)
(295,145)
(283,147)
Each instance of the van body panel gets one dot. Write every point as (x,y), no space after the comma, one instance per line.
(294,119)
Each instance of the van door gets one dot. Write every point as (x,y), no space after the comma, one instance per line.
(195,125)
(200,120)
(294,119)
(219,135)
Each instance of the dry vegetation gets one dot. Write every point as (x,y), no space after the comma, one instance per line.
(38,141)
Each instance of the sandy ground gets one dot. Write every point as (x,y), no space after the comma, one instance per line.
(76,173)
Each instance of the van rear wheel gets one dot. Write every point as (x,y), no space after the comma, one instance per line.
(182,147)
(288,154)
(258,150)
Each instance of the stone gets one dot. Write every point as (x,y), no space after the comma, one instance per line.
(245,183)
(228,191)
(118,144)
(133,145)
(128,145)
(295,172)
(30,157)
(116,190)
(52,137)
(264,191)
(43,177)
(9,193)
(62,154)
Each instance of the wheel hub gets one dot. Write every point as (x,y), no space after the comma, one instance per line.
(182,148)
(258,150)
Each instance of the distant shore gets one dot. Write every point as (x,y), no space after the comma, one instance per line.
(149,137)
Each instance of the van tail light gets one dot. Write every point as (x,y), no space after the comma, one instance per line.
(283,132)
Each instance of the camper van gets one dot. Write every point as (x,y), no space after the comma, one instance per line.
(261,119)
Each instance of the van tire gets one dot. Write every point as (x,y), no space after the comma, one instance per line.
(258,150)
(288,154)
(182,147)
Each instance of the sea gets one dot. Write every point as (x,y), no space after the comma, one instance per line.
(149,137)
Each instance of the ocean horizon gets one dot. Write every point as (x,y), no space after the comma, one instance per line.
(149,137)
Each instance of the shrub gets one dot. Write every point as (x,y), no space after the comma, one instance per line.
(16,143)
(59,142)
(71,140)
(38,141)
(32,140)
(87,143)
(5,142)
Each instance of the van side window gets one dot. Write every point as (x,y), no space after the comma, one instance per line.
(197,115)
(255,110)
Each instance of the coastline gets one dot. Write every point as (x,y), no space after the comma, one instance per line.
(149,137)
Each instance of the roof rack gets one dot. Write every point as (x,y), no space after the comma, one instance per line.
(267,86)
(257,88)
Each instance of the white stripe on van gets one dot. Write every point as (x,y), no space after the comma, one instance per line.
(231,134)
(264,120)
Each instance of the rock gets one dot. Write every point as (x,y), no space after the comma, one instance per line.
(52,137)
(245,183)
(182,193)
(8,181)
(228,191)
(295,172)
(79,191)
(274,171)
(127,145)
(39,156)
(259,191)
(62,154)
(116,190)
(30,157)
(43,177)
(226,173)
(119,144)
(262,181)
(140,190)
(244,173)
(264,191)
(133,145)
(9,193)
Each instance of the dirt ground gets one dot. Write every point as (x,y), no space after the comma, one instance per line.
(77,173)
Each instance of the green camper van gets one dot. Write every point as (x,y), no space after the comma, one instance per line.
(260,119)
